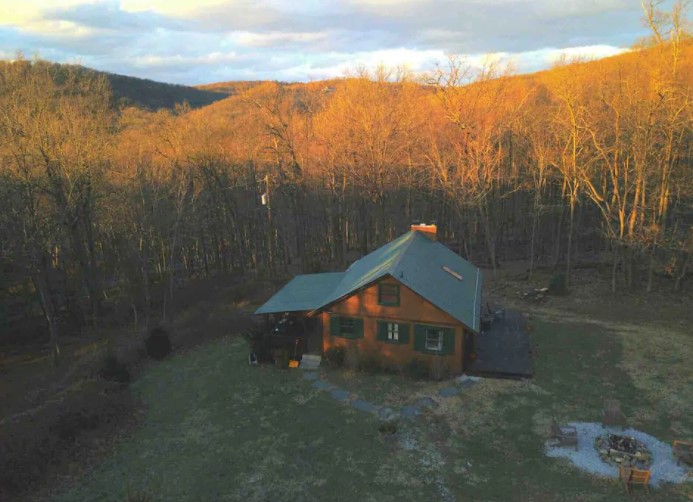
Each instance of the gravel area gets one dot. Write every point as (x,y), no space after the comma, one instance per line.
(663,468)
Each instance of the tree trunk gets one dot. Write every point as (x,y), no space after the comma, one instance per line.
(570,242)
(41,283)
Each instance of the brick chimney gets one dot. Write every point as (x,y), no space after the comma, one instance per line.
(430,231)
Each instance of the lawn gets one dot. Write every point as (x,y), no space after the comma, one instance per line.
(217,429)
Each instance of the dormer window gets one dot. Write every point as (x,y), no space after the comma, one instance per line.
(388,295)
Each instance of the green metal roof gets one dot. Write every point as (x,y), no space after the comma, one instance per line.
(425,266)
(302,293)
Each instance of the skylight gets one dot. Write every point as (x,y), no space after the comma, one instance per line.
(450,271)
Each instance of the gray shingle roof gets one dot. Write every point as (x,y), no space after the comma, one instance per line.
(414,260)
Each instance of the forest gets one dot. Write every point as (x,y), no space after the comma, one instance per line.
(107,208)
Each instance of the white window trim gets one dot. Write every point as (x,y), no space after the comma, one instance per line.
(393,331)
(437,345)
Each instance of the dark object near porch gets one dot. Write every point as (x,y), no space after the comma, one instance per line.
(683,451)
(158,344)
(258,339)
(288,326)
(612,413)
(565,435)
(502,349)
(113,370)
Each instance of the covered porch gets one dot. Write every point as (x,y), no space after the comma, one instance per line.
(286,312)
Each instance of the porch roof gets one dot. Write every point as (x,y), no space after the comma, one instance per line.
(302,293)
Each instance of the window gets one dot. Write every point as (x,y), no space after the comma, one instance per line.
(388,294)
(393,331)
(346,326)
(439,340)
(434,340)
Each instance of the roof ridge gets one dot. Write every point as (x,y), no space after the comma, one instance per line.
(403,252)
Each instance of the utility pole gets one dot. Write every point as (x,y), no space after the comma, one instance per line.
(267,200)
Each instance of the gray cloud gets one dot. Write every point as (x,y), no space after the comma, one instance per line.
(300,40)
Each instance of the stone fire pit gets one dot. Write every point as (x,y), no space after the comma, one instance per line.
(627,451)
(663,467)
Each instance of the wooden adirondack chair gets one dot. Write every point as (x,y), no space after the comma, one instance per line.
(613,414)
(683,451)
(566,435)
(630,476)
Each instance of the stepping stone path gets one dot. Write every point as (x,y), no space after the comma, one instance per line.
(362,405)
(339,394)
(409,411)
(384,412)
(322,385)
(448,391)
(426,402)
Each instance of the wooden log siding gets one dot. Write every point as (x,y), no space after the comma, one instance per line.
(413,311)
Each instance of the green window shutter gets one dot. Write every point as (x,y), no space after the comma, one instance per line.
(358,328)
(334,326)
(419,338)
(382,331)
(448,341)
(404,333)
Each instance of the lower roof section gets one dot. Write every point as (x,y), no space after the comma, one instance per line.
(302,293)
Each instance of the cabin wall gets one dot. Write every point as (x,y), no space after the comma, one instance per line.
(412,310)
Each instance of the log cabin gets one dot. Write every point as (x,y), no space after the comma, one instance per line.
(413,298)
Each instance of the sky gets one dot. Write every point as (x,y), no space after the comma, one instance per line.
(203,41)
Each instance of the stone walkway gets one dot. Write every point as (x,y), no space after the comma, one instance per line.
(431,460)
(410,410)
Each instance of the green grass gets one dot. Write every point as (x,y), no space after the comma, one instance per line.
(217,429)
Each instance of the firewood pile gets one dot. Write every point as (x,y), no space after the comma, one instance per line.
(623,450)
(534,295)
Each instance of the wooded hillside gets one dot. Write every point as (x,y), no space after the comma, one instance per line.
(587,163)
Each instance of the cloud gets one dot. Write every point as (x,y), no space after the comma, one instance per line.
(194,42)
(276,38)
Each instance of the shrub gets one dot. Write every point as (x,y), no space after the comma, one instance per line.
(334,356)
(158,344)
(417,369)
(113,370)
(352,357)
(388,427)
(439,369)
(71,423)
(44,440)
(558,285)
(370,363)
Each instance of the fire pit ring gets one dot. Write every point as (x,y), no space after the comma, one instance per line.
(627,451)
